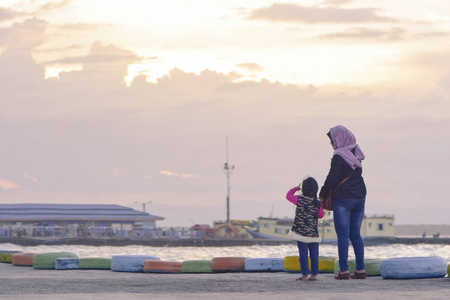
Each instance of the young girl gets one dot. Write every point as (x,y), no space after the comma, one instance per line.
(305,228)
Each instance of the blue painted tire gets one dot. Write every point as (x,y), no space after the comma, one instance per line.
(413,267)
(130,263)
(264,264)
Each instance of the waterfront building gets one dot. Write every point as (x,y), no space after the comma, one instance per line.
(372,226)
(75,221)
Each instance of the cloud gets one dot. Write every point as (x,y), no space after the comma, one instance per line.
(361,33)
(8,185)
(280,12)
(168,173)
(189,176)
(5,14)
(27,176)
(173,174)
(337,2)
(81,26)
(253,67)
(100,54)
(23,36)
(42,7)
(70,129)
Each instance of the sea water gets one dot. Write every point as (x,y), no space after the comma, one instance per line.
(195,253)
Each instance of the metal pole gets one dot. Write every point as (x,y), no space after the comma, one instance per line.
(228,169)
(143,204)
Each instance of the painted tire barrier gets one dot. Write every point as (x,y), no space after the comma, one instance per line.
(371,266)
(228,264)
(292,264)
(158,266)
(95,263)
(326,264)
(47,260)
(196,266)
(66,264)
(448,270)
(22,259)
(130,263)
(6,256)
(413,267)
(265,264)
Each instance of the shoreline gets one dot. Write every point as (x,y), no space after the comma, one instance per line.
(181,242)
(29,283)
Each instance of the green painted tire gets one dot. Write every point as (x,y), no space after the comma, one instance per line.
(196,266)
(95,263)
(372,266)
(6,256)
(47,260)
(448,270)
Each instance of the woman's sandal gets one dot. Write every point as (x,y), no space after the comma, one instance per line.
(341,276)
(301,279)
(358,275)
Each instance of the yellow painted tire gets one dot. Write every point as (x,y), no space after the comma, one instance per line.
(6,256)
(160,266)
(47,260)
(326,264)
(228,264)
(196,266)
(448,270)
(95,263)
(371,266)
(22,259)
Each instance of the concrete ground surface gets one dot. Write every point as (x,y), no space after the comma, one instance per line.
(28,283)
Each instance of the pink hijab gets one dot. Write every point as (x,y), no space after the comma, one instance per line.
(343,142)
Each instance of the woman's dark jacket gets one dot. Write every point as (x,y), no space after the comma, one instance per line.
(352,188)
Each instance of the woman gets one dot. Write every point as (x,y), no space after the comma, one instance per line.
(349,198)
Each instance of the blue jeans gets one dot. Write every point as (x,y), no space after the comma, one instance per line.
(348,215)
(303,257)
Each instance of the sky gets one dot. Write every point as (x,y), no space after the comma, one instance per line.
(141,102)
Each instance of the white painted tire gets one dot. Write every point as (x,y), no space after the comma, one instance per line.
(66,264)
(413,267)
(264,264)
(130,263)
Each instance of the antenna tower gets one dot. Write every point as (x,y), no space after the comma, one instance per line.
(228,170)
